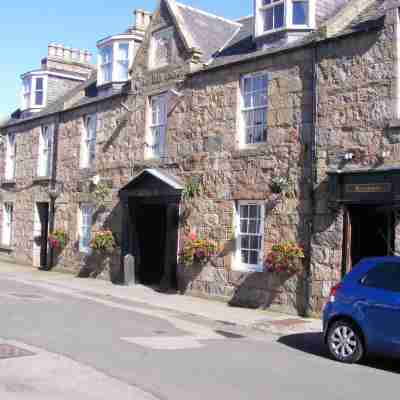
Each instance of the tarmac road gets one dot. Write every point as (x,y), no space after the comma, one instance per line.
(68,343)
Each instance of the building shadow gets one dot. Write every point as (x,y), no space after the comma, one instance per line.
(313,343)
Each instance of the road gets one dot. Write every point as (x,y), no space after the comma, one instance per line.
(73,344)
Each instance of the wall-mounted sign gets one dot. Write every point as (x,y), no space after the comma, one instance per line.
(369,188)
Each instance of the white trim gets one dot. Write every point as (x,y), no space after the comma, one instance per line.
(52,73)
(7,223)
(162,124)
(287,17)
(238,265)
(241,128)
(162,177)
(88,139)
(44,165)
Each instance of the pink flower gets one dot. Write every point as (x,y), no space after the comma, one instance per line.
(193,236)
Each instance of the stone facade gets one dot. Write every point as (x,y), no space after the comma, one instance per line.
(355,79)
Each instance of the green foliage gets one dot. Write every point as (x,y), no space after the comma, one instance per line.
(192,189)
(103,241)
(102,193)
(198,250)
(58,239)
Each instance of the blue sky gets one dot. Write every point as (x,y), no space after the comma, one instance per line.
(26,28)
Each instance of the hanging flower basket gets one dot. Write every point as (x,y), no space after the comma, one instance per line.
(103,242)
(197,250)
(285,257)
(58,240)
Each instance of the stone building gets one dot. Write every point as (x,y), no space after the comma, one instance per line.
(213,120)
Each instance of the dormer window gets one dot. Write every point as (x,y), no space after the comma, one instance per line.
(162,48)
(106,64)
(115,57)
(33,91)
(276,15)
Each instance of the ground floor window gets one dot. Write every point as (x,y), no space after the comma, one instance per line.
(85,227)
(250,236)
(8,210)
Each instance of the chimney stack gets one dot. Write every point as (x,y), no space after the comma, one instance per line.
(66,54)
(142,19)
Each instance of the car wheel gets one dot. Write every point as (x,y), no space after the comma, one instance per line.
(345,342)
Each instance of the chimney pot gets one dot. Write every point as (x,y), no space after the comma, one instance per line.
(142,19)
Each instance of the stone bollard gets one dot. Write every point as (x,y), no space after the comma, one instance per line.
(129,270)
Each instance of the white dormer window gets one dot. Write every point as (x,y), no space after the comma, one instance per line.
(123,61)
(115,57)
(276,15)
(162,48)
(46,147)
(106,55)
(10,157)
(34,91)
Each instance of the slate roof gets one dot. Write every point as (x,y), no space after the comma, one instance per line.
(222,42)
(210,33)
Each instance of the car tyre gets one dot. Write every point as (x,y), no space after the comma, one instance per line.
(345,342)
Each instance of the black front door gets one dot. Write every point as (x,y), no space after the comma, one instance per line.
(151,238)
(372,232)
(43,210)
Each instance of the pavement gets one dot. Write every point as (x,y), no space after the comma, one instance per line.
(263,320)
(67,338)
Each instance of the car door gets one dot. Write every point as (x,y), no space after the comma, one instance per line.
(379,305)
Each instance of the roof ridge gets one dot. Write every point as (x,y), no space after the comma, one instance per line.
(207,14)
(243,18)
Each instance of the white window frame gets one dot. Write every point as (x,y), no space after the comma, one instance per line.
(157,126)
(243,142)
(37,91)
(85,225)
(11,145)
(287,17)
(122,63)
(88,141)
(46,151)
(29,96)
(153,47)
(8,222)
(239,265)
(106,65)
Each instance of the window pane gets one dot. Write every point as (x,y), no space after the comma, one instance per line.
(39,83)
(255,243)
(245,242)
(244,211)
(253,257)
(300,13)
(254,211)
(244,226)
(245,256)
(39,98)
(279,12)
(124,51)
(269,19)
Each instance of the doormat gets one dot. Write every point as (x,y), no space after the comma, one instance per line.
(10,351)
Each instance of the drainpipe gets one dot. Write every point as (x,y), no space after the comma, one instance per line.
(314,174)
(53,181)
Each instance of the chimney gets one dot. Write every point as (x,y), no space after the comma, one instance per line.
(142,19)
(67,59)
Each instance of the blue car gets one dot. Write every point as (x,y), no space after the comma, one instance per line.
(363,312)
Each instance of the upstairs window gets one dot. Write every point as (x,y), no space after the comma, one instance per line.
(39,92)
(26,83)
(276,15)
(273,12)
(106,62)
(8,216)
(10,157)
(46,151)
(85,227)
(162,48)
(88,145)
(300,12)
(34,92)
(254,90)
(158,125)
(123,62)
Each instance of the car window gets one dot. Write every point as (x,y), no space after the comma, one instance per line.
(384,276)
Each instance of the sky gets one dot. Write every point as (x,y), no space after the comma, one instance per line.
(27,27)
